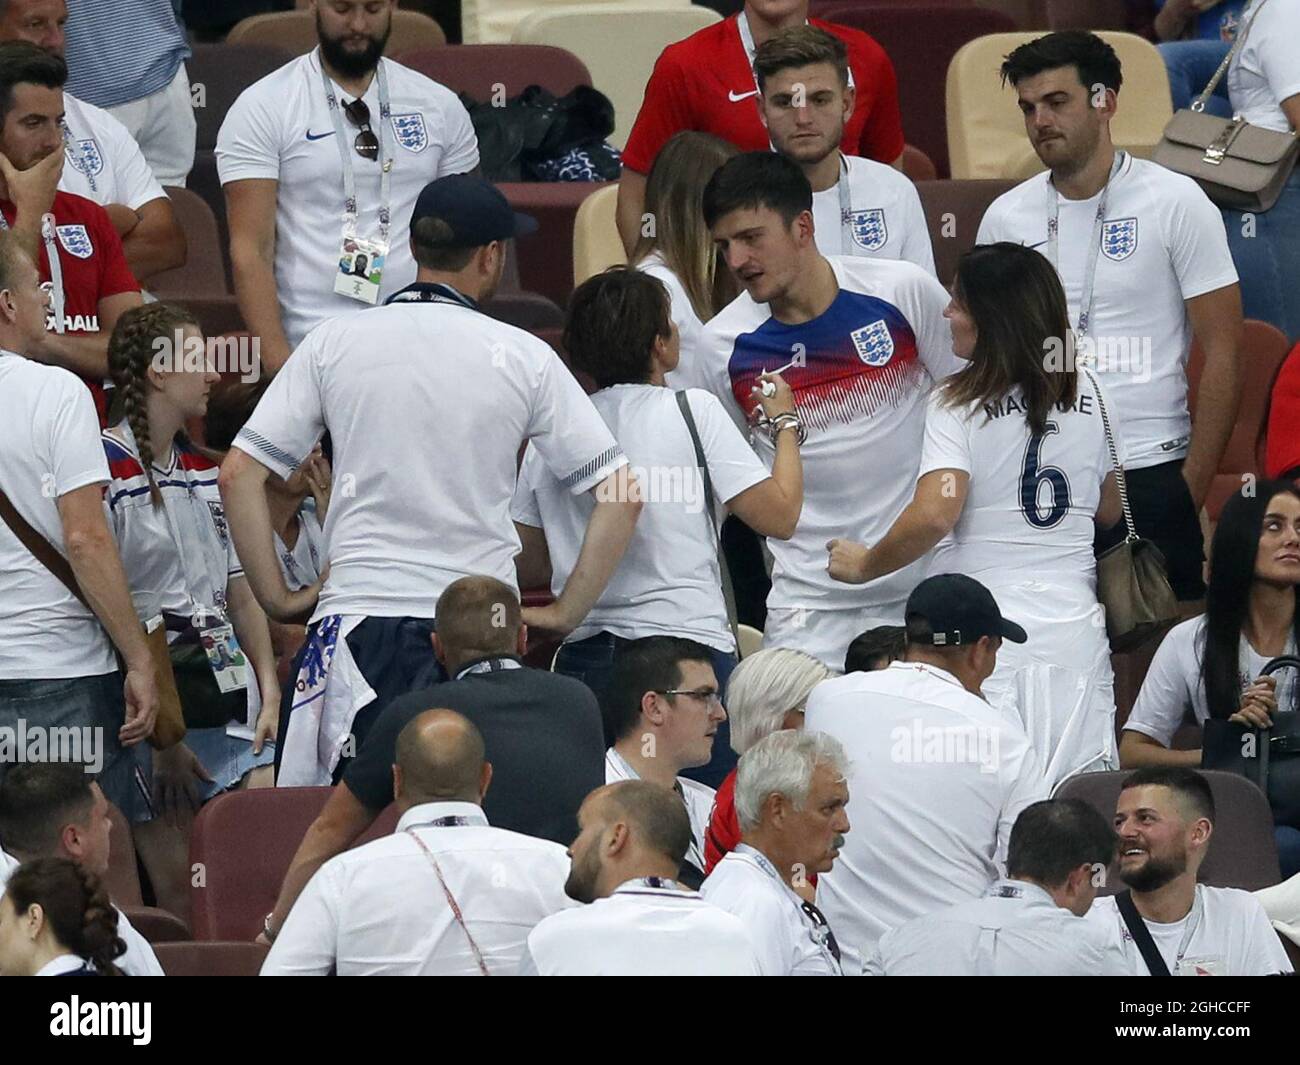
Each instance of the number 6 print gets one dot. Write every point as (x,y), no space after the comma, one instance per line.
(1032,475)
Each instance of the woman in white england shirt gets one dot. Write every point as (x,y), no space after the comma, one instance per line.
(1211,665)
(1015,472)
(668,583)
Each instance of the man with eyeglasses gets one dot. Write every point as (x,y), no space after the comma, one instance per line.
(332,150)
(662,708)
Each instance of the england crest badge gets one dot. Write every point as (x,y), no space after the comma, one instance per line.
(1119,239)
(874,343)
(76,241)
(84,155)
(219,520)
(411,132)
(869,231)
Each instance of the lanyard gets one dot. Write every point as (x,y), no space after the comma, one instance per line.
(820,931)
(1193,920)
(56,271)
(846,208)
(345,155)
(655,883)
(432,292)
(747,42)
(450,821)
(451,899)
(1094,246)
(490,665)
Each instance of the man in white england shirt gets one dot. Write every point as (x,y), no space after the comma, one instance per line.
(104,163)
(1144,260)
(1165,818)
(860,342)
(662,709)
(938,776)
(860,207)
(445,895)
(638,921)
(791,795)
(286,151)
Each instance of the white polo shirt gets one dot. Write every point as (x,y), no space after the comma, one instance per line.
(280,129)
(868,363)
(668,582)
(698,799)
(428,404)
(647,927)
(381,909)
(788,941)
(1173,683)
(689,326)
(138,959)
(1017,929)
(1225,933)
(1162,242)
(103,162)
(938,778)
(302,564)
(1267,70)
(49,440)
(887,219)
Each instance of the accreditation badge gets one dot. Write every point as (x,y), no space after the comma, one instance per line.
(1207,966)
(361,269)
(226,657)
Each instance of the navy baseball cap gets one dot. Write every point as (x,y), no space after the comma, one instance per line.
(475,209)
(959,610)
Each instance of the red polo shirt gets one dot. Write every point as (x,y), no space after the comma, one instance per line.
(705,83)
(1283,448)
(93,266)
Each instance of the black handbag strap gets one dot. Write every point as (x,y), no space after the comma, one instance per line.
(728,592)
(1141,934)
(44,551)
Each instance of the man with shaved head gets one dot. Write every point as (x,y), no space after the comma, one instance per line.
(632,838)
(445,895)
(543,733)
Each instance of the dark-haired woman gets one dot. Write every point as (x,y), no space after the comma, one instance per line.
(620,331)
(171,531)
(1211,664)
(56,920)
(1015,471)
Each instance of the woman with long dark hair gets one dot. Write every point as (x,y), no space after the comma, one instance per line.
(1015,471)
(1211,664)
(56,920)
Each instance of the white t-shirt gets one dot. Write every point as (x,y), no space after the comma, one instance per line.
(1032,498)
(787,940)
(1163,242)
(428,405)
(647,927)
(888,222)
(689,326)
(280,129)
(1173,683)
(696,797)
(1232,938)
(103,161)
(870,361)
(303,564)
(49,446)
(938,778)
(1267,69)
(668,582)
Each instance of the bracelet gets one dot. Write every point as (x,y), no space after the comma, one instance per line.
(266,927)
(786,421)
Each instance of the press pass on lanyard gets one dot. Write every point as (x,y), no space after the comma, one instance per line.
(56,271)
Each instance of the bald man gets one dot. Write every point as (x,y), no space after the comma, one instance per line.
(542,730)
(445,895)
(639,921)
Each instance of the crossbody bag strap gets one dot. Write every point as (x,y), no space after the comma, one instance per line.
(452,903)
(728,591)
(1198,104)
(38,545)
(1121,482)
(1141,934)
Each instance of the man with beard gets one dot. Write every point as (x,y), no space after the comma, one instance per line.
(1166,923)
(445,895)
(860,207)
(339,133)
(632,837)
(791,796)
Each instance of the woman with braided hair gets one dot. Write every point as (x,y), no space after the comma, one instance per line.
(171,530)
(56,920)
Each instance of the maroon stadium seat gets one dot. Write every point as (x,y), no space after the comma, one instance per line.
(477,69)
(917,165)
(921,39)
(546,257)
(204,272)
(1087,14)
(953,211)
(211,959)
(244,841)
(224,71)
(157,926)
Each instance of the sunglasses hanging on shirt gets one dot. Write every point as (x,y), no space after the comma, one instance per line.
(366,144)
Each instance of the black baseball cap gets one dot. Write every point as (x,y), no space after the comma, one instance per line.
(959,610)
(476,210)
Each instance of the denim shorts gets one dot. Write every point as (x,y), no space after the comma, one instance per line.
(228,759)
(95,708)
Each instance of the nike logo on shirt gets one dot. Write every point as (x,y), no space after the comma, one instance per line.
(317,136)
(736,97)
